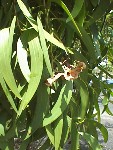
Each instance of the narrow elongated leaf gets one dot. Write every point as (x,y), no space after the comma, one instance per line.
(88,43)
(91,140)
(96,104)
(36,71)
(50,133)
(2,133)
(5,66)
(108,110)
(48,36)
(84,94)
(76,9)
(11,34)
(7,93)
(22,59)
(99,12)
(65,130)
(61,104)
(80,31)
(59,2)
(101,128)
(58,132)
(81,16)
(43,45)
(74,136)
(84,99)
(96,40)
(40,110)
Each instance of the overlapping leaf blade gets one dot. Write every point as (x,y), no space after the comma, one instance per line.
(5,53)
(91,140)
(7,93)
(80,31)
(36,71)
(61,104)
(76,9)
(84,97)
(48,36)
(101,127)
(43,45)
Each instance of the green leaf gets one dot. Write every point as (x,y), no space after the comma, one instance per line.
(43,45)
(7,93)
(74,136)
(58,131)
(84,94)
(96,104)
(5,53)
(99,11)
(101,128)
(65,130)
(61,104)
(81,16)
(96,39)
(40,109)
(108,110)
(76,9)
(80,31)
(93,142)
(36,71)
(50,133)
(94,2)
(59,2)
(22,59)
(10,40)
(88,43)
(105,101)
(2,133)
(47,36)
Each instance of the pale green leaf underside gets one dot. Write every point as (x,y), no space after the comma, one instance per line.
(22,59)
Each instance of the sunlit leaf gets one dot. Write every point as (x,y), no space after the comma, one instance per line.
(59,2)
(36,72)
(5,65)
(2,130)
(43,45)
(50,133)
(84,97)
(22,59)
(48,36)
